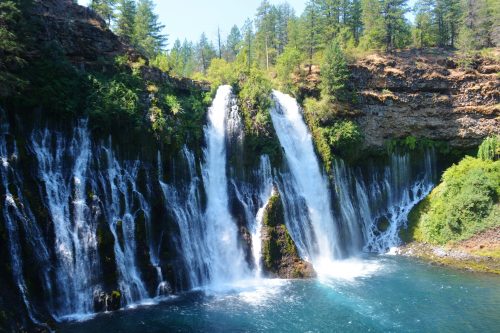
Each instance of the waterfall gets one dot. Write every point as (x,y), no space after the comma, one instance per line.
(227,262)
(63,169)
(208,238)
(384,197)
(122,205)
(265,182)
(402,187)
(315,232)
(183,201)
(17,214)
(254,198)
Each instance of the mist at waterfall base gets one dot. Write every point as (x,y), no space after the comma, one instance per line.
(215,280)
(400,296)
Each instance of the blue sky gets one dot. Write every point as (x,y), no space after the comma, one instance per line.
(189,18)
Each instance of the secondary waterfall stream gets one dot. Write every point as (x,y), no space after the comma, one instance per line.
(321,241)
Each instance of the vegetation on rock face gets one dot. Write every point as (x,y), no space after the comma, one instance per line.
(12,45)
(464,203)
(490,149)
(332,135)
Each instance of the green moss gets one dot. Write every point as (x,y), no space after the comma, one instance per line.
(278,243)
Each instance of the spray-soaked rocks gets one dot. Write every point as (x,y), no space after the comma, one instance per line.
(279,253)
(104,301)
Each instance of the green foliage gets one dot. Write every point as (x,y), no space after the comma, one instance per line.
(105,8)
(147,33)
(412,143)
(126,11)
(465,203)
(114,101)
(490,149)
(221,72)
(255,95)
(334,73)
(255,101)
(56,86)
(278,243)
(11,48)
(344,136)
(288,64)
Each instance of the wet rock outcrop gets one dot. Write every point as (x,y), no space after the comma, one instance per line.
(280,255)
(428,94)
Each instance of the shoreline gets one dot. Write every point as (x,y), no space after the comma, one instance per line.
(480,253)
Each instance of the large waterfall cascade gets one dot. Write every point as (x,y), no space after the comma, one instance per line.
(84,184)
(221,230)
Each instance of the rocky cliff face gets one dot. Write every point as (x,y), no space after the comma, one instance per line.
(427,94)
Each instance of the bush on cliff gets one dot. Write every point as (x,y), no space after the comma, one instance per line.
(464,203)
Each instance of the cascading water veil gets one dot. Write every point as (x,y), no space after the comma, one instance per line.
(227,261)
(17,215)
(386,196)
(183,201)
(118,184)
(316,232)
(75,230)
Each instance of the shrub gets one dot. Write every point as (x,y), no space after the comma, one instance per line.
(490,149)
(463,204)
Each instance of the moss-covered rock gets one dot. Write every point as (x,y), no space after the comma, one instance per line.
(280,255)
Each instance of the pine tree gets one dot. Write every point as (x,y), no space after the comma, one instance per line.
(448,17)
(126,11)
(266,36)
(147,32)
(248,43)
(233,43)
(206,52)
(334,73)
(311,30)
(424,31)
(105,8)
(396,29)
(355,20)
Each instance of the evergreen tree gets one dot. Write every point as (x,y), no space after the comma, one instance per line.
(355,22)
(396,29)
(105,8)
(311,30)
(147,32)
(479,21)
(248,45)
(287,64)
(424,31)
(188,58)
(125,16)
(373,24)
(448,17)
(284,13)
(266,36)
(176,59)
(206,52)
(334,73)
(233,43)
